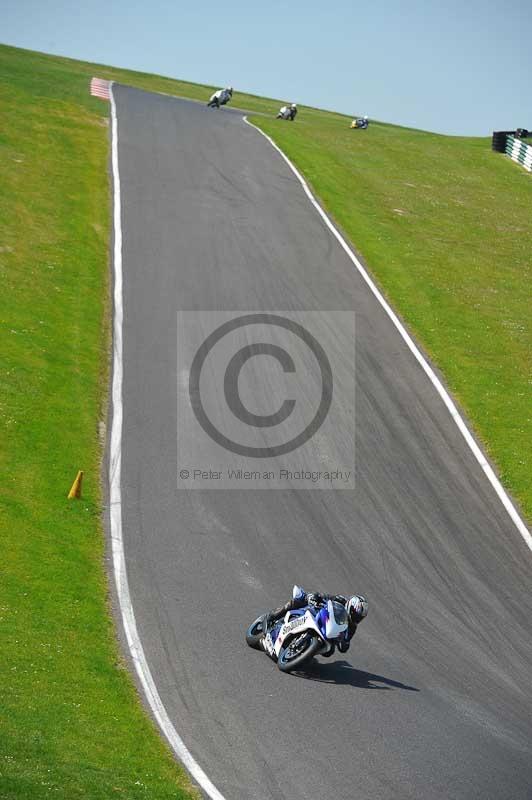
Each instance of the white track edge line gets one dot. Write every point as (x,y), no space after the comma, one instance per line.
(477,452)
(128,617)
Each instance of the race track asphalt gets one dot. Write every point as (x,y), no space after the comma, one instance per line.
(434,699)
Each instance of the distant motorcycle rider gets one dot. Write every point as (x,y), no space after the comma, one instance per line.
(221,97)
(356,607)
(287,112)
(359,122)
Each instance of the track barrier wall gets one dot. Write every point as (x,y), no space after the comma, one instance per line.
(510,143)
(519,151)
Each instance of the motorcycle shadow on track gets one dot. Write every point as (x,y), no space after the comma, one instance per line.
(343,674)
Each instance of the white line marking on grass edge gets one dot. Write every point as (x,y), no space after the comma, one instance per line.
(126,608)
(477,452)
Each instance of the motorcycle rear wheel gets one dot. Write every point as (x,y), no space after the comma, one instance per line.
(297,650)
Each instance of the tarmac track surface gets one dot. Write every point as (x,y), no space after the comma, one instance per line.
(434,698)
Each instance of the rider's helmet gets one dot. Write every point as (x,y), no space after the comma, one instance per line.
(314,599)
(365,116)
(293,105)
(357,608)
(230,89)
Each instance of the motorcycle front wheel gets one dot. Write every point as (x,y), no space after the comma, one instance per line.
(255,633)
(297,650)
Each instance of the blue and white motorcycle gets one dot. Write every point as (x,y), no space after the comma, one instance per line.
(301,634)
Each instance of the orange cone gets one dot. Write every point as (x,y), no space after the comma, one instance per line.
(75,491)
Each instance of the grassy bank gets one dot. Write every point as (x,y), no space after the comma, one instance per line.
(445,227)
(71,724)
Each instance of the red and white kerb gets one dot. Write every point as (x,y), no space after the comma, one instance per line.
(100,88)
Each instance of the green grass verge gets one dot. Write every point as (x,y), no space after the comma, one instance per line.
(445,226)
(71,725)
(446,229)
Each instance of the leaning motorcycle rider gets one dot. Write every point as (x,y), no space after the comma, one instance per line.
(221,97)
(287,112)
(356,607)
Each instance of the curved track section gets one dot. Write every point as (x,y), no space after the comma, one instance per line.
(434,698)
